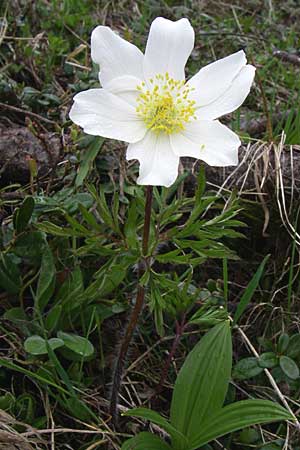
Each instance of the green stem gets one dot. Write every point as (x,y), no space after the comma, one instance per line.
(135,313)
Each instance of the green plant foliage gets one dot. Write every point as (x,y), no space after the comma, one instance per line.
(88,156)
(36,345)
(197,410)
(199,390)
(238,415)
(283,359)
(145,441)
(289,367)
(247,368)
(77,344)
(71,239)
(250,290)
(23,215)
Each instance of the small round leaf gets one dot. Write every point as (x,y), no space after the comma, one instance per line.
(36,345)
(77,344)
(268,360)
(293,350)
(289,367)
(283,343)
(246,368)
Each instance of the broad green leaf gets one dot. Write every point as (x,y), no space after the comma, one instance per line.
(249,291)
(36,345)
(246,368)
(145,441)
(178,439)
(78,344)
(107,279)
(87,158)
(47,277)
(289,367)
(236,416)
(202,382)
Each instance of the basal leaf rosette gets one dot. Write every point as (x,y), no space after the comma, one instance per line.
(146,101)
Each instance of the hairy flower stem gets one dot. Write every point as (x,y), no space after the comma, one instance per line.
(135,313)
(180,327)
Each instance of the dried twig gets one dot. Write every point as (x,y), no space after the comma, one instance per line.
(27,113)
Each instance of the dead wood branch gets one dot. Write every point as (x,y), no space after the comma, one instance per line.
(292,58)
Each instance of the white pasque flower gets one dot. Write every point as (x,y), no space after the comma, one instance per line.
(146,101)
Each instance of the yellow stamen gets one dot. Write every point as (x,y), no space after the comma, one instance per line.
(166,107)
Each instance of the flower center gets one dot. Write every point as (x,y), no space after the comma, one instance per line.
(165,106)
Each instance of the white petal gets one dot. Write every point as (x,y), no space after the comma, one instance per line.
(115,56)
(158,162)
(210,141)
(232,98)
(101,113)
(213,80)
(168,47)
(126,88)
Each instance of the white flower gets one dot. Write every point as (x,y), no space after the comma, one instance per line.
(146,101)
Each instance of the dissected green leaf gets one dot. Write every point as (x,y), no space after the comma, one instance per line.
(145,441)
(130,227)
(51,228)
(236,416)
(202,382)
(289,367)
(107,279)
(71,290)
(89,218)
